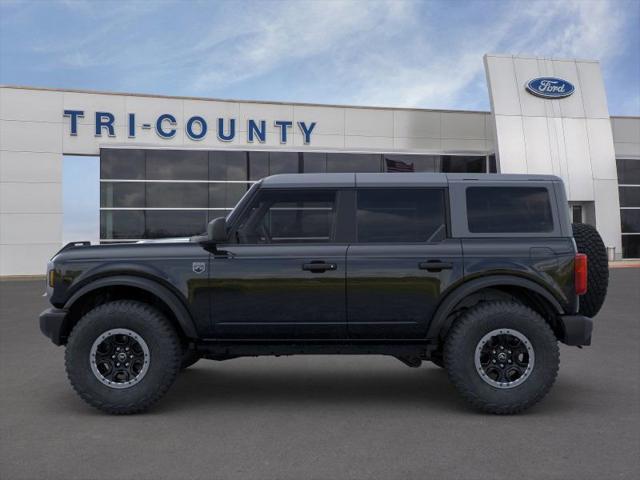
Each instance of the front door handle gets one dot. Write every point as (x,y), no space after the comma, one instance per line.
(318,266)
(435,266)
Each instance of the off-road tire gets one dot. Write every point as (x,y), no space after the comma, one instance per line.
(189,357)
(164,358)
(465,335)
(589,242)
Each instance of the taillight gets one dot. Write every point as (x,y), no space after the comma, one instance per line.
(580,269)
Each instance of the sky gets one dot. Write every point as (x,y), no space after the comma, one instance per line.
(378,53)
(389,53)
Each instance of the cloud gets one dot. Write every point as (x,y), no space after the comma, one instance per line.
(387,52)
(560,29)
(273,38)
(386,55)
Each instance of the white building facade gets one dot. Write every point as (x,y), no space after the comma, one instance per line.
(170,164)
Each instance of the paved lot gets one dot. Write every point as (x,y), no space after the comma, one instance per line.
(321,417)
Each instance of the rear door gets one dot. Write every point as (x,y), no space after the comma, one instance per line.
(401,263)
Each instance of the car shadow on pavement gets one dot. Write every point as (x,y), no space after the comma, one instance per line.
(424,387)
(206,386)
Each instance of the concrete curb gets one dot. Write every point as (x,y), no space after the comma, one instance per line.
(21,278)
(625,264)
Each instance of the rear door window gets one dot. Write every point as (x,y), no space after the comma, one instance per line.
(388,215)
(509,210)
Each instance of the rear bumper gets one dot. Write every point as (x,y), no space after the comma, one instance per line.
(576,330)
(54,325)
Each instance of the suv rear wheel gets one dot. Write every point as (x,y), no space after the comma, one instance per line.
(502,357)
(122,357)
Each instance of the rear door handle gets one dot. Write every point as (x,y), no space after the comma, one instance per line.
(435,266)
(318,266)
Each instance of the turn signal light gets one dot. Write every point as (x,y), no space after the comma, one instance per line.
(580,265)
(52,277)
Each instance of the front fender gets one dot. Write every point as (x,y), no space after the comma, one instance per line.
(177,307)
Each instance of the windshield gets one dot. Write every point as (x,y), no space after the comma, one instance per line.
(231,216)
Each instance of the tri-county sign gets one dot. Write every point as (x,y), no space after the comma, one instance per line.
(550,87)
(196,127)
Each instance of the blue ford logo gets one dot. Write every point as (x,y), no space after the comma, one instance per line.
(550,87)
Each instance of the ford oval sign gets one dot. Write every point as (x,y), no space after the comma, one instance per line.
(550,87)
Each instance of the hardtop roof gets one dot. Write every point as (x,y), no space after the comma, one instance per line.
(344,180)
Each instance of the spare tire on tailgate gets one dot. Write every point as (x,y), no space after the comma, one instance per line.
(589,242)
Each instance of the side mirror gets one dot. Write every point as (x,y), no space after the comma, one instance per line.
(217,230)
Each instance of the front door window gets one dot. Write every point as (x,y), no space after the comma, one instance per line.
(278,217)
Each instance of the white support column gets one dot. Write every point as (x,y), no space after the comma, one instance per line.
(569,137)
(30,180)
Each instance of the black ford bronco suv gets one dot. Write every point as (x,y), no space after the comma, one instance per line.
(479,274)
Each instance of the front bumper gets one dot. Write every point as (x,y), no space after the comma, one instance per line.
(576,330)
(54,324)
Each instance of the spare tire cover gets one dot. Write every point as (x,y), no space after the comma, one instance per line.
(589,242)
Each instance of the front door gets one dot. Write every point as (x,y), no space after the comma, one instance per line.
(284,274)
(401,263)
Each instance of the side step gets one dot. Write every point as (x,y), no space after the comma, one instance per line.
(410,353)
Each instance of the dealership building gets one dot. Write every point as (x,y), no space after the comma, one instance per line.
(170,164)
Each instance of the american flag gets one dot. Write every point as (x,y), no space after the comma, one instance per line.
(398,166)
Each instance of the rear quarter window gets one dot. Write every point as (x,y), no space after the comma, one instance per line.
(509,210)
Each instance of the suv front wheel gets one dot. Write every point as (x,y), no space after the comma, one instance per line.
(123,356)
(502,357)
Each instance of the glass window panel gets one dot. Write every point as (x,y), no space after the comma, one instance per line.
(217,166)
(493,165)
(628,171)
(630,221)
(218,195)
(411,163)
(289,217)
(243,201)
(390,215)
(175,223)
(629,196)
(631,246)
(353,162)
(123,164)
(177,165)
(463,164)
(226,195)
(177,195)
(508,210)
(236,165)
(125,224)
(258,165)
(228,165)
(576,213)
(283,162)
(314,162)
(235,191)
(128,195)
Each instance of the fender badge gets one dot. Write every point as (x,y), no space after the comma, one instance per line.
(199,267)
